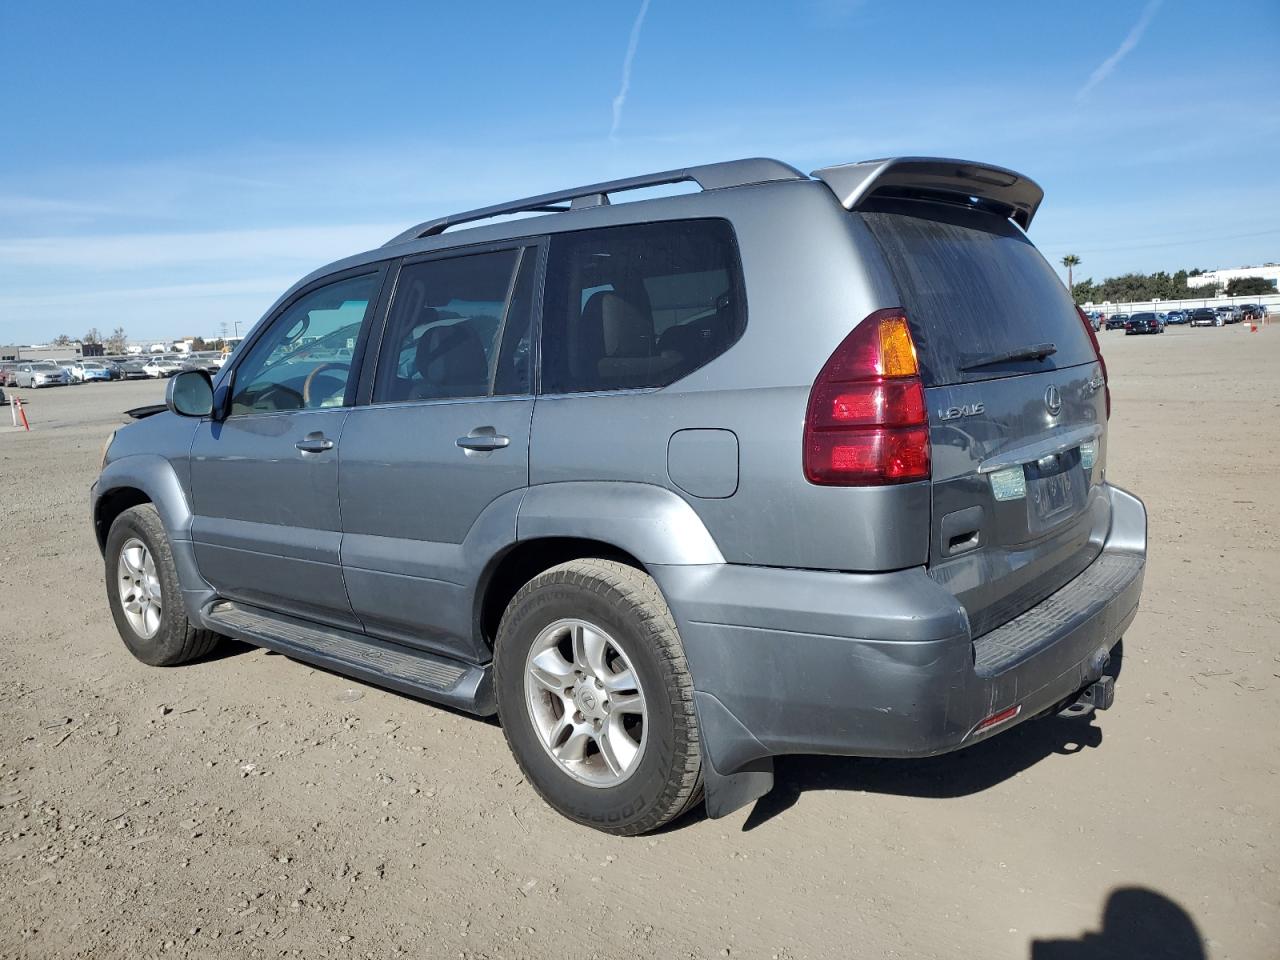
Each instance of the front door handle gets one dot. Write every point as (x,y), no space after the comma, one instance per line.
(483,442)
(314,443)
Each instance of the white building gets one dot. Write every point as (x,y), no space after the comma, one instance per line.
(1268,271)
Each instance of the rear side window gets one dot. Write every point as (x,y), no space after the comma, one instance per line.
(974,287)
(459,327)
(639,305)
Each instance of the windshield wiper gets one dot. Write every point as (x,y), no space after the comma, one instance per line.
(1036,351)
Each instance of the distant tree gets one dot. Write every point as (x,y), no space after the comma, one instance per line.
(118,342)
(1070,261)
(199,343)
(62,340)
(1249,287)
(1084,292)
(92,336)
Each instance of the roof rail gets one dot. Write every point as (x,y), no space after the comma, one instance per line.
(711,176)
(1015,196)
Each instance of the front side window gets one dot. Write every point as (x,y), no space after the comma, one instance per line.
(304,361)
(640,305)
(458,328)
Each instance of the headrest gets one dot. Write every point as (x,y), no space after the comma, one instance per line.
(624,329)
(451,355)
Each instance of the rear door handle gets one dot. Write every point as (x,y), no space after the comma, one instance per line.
(483,442)
(314,443)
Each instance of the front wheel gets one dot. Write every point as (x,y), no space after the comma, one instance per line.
(145,595)
(595,698)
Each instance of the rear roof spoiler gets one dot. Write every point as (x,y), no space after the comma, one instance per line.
(955,181)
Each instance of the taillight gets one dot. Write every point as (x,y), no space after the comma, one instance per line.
(866,423)
(1097,352)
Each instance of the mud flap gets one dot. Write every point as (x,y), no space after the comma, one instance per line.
(729,746)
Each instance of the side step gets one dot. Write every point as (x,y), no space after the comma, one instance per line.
(456,684)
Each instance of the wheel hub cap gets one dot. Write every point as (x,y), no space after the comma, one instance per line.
(585,702)
(139,588)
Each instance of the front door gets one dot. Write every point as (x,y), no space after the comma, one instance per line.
(264,480)
(435,462)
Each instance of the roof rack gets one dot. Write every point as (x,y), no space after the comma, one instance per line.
(711,176)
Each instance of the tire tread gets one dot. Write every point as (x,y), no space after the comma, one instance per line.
(193,642)
(636,591)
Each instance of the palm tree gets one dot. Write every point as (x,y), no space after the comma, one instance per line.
(1069,261)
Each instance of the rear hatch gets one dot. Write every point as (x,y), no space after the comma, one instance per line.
(1016,400)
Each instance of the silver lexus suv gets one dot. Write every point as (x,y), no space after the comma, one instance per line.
(790,464)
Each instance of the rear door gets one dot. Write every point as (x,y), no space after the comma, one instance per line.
(1017,406)
(444,437)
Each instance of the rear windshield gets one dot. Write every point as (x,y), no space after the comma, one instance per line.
(974,287)
(1144,317)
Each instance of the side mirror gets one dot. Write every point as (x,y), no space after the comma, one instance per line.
(190,394)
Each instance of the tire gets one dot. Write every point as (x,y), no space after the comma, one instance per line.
(175,639)
(623,606)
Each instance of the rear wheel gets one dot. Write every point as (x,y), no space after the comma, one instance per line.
(144,593)
(595,698)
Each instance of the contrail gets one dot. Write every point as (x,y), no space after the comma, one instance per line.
(621,99)
(1104,69)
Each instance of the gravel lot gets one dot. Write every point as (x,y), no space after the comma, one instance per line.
(251,806)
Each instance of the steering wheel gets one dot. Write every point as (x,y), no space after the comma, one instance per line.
(306,384)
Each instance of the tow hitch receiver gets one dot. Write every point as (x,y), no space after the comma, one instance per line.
(1099,695)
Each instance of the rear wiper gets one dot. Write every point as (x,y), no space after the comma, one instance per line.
(1036,351)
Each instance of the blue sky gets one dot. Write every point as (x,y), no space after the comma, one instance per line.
(173,167)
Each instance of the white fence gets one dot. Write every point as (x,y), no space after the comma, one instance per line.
(1270,300)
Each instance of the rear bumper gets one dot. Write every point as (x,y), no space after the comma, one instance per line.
(791,661)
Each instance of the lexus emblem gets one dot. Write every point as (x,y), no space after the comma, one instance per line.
(1053,400)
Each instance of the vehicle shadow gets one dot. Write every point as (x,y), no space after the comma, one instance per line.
(1137,924)
(957,774)
(224,649)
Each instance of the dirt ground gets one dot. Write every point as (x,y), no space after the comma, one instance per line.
(251,806)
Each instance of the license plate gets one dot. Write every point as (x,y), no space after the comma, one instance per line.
(1052,495)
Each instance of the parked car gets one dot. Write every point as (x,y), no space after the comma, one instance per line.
(1117,321)
(1230,314)
(4,401)
(1205,317)
(82,371)
(1252,311)
(1175,317)
(9,374)
(134,370)
(1143,323)
(576,524)
(204,360)
(160,367)
(41,373)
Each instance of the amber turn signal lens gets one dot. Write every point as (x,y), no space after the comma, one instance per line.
(897,352)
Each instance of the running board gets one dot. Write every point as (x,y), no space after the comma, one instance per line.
(429,676)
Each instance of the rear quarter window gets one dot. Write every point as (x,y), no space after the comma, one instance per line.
(639,305)
(974,286)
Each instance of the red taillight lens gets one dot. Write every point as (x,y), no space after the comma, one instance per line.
(1097,352)
(866,423)
(886,403)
